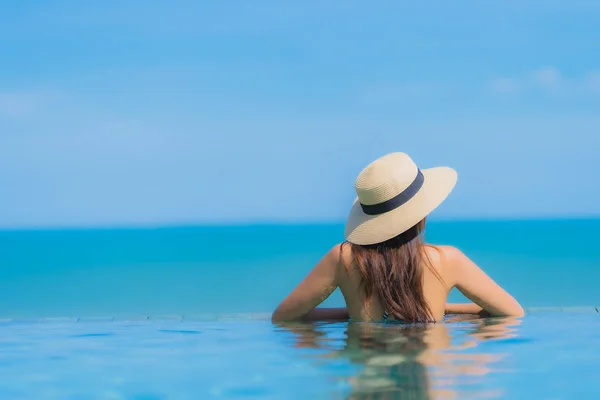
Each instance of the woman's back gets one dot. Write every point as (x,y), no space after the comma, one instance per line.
(361,308)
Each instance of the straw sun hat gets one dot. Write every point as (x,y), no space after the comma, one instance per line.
(393,196)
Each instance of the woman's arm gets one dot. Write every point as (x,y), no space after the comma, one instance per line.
(327,314)
(478,287)
(312,291)
(466,308)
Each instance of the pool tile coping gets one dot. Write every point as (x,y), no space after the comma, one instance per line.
(232,317)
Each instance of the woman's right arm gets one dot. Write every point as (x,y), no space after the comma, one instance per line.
(478,287)
(465,308)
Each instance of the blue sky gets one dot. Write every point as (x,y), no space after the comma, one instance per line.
(123,112)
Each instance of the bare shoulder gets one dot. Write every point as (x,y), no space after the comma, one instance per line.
(343,254)
(445,259)
(337,255)
(444,255)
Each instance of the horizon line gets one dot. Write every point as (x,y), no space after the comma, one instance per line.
(278,223)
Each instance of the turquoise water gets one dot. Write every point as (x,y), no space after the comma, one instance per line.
(229,269)
(547,355)
(183,313)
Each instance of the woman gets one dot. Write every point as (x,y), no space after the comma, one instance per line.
(384,269)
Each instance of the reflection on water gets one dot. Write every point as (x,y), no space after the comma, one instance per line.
(401,361)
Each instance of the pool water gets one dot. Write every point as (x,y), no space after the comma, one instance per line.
(547,355)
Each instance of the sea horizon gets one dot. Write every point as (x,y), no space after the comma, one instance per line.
(284,223)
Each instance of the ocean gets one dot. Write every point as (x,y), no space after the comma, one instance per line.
(204,270)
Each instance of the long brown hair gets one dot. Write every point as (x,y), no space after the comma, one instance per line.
(393,271)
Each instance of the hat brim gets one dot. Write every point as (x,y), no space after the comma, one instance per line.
(363,229)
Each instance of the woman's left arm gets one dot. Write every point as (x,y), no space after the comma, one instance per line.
(327,314)
(312,291)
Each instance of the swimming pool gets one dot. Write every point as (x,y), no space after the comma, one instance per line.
(551,353)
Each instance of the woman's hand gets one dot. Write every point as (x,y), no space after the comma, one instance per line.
(465,308)
(327,314)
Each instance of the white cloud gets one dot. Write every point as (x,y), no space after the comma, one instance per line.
(547,77)
(546,80)
(404,91)
(24,104)
(593,81)
(505,85)
(14,105)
